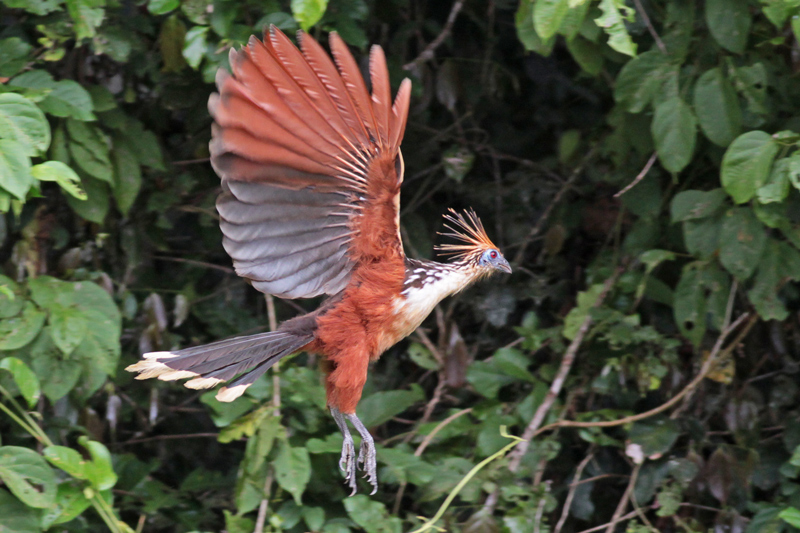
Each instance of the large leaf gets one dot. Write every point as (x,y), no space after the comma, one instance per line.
(87,16)
(372,515)
(613,22)
(25,379)
(89,148)
(380,407)
(526,32)
(691,205)
(60,173)
(58,376)
(746,164)
(640,79)
(17,517)
(729,23)
(23,122)
(742,241)
(779,264)
(97,203)
(17,331)
(99,471)
(71,501)
(674,131)
(13,56)
(127,176)
(28,476)
(548,16)
(308,12)
(293,470)
(15,168)
(68,99)
(717,107)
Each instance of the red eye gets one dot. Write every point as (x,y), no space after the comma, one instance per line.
(493,254)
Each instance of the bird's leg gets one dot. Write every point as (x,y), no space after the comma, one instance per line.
(366,454)
(347,462)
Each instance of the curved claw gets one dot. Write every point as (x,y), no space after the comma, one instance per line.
(366,453)
(366,460)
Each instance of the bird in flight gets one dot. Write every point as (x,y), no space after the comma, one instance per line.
(311,170)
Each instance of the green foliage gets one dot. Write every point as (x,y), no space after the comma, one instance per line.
(110,248)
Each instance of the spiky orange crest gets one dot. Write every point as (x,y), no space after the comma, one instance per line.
(467,228)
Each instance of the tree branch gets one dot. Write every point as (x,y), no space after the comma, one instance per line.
(427,54)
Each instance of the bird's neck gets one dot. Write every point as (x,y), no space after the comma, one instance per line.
(435,280)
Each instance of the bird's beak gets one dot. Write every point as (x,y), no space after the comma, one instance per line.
(503,266)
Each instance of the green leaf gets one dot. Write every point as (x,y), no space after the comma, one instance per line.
(57,376)
(776,189)
(99,472)
(15,169)
(127,177)
(746,164)
(512,363)
(87,15)
(68,327)
(575,318)
(689,304)
(67,459)
(742,241)
(37,7)
(371,515)
(62,174)
(790,515)
(195,45)
(380,407)
(70,503)
(717,107)
(308,12)
(160,7)
(68,99)
(27,476)
(674,132)
(656,437)
(11,300)
(293,470)
(640,79)
(587,54)
(95,207)
(691,205)
(18,331)
(23,122)
(171,41)
(17,517)
(26,380)
(13,56)
(89,150)
(780,263)
(548,16)
(422,356)
(729,23)
(613,22)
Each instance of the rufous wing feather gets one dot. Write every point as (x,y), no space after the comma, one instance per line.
(307,159)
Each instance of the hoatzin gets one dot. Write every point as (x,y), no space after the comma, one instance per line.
(311,170)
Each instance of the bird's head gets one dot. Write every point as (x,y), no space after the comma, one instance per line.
(478,251)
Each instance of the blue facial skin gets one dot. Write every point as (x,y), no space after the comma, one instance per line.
(493,258)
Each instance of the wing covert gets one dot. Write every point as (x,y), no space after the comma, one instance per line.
(307,161)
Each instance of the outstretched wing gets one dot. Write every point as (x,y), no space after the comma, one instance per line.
(310,163)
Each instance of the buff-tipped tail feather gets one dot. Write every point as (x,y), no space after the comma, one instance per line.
(245,357)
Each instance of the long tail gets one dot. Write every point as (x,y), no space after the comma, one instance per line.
(221,361)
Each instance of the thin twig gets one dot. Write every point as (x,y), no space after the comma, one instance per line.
(193,262)
(650,28)
(571,494)
(640,176)
(427,54)
(598,528)
(623,503)
(276,403)
(169,437)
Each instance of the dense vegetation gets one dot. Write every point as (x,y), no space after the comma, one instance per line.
(637,163)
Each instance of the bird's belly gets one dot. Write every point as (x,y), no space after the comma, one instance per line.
(409,314)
